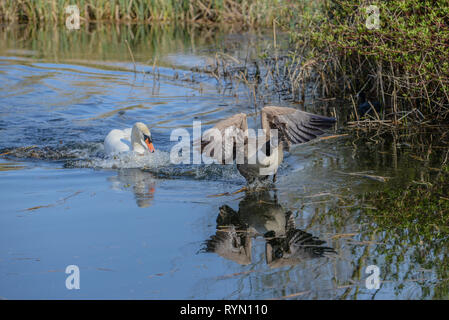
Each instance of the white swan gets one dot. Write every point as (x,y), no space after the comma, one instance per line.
(137,139)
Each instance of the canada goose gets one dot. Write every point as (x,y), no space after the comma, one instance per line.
(293,127)
(137,139)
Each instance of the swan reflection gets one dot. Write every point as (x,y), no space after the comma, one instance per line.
(142,184)
(260,214)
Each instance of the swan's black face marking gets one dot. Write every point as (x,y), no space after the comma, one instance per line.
(149,142)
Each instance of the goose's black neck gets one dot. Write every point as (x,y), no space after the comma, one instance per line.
(267,147)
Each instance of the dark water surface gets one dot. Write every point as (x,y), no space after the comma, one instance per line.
(160,232)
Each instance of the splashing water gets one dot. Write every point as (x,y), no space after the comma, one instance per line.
(123,160)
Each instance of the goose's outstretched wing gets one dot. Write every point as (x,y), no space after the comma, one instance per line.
(234,127)
(294,126)
(231,245)
(296,247)
(229,241)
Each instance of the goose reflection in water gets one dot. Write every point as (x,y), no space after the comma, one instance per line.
(260,214)
(142,184)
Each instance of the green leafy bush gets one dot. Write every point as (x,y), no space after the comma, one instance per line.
(405,61)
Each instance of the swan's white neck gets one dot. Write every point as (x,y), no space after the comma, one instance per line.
(137,144)
(137,147)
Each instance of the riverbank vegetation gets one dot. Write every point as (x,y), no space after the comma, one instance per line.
(403,64)
(245,12)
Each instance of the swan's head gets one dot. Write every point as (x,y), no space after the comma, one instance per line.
(141,138)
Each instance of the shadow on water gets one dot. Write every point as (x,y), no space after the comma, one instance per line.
(101,42)
(260,215)
(142,184)
(151,44)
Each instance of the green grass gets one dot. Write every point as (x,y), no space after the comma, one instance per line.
(247,12)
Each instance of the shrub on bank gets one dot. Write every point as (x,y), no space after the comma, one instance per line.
(404,62)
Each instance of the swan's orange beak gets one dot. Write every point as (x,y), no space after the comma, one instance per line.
(149,145)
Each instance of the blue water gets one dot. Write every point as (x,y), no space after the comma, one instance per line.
(144,234)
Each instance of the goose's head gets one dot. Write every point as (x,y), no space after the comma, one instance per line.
(141,138)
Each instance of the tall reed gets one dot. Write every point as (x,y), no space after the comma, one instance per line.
(247,12)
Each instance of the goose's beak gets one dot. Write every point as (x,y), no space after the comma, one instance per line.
(150,145)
